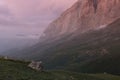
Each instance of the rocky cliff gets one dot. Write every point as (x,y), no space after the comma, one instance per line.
(84,15)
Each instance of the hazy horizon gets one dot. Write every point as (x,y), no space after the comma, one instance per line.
(27,19)
(33,15)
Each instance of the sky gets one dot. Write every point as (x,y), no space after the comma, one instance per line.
(29,17)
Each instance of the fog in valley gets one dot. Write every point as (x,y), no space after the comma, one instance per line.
(22,22)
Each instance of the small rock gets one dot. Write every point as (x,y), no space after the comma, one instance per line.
(36,66)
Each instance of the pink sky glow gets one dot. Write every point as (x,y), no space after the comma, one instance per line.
(18,15)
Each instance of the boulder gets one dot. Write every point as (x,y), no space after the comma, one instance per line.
(36,65)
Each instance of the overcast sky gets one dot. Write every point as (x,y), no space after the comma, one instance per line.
(29,17)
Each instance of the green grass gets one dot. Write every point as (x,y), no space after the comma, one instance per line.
(18,70)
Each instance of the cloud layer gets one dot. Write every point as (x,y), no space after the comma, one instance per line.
(31,13)
(37,8)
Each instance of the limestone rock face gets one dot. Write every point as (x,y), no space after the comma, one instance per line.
(83,16)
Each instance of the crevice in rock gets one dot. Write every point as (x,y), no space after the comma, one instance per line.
(95,5)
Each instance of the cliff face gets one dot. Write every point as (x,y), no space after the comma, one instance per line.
(84,15)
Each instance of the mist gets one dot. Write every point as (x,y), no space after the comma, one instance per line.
(22,22)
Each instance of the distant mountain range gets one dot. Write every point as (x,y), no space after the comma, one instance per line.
(85,38)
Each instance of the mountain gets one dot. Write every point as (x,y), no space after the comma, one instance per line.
(85,38)
(18,70)
(84,15)
(94,51)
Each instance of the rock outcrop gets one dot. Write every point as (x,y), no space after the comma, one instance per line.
(83,16)
(36,65)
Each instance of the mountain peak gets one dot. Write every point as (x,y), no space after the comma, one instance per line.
(94,3)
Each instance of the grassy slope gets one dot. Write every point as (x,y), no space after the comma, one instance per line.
(18,70)
(84,53)
(81,52)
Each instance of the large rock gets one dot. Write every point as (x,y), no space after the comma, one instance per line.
(36,65)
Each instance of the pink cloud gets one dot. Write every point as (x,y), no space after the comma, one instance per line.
(17,15)
(35,8)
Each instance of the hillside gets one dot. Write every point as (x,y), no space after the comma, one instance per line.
(85,38)
(18,70)
(90,52)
